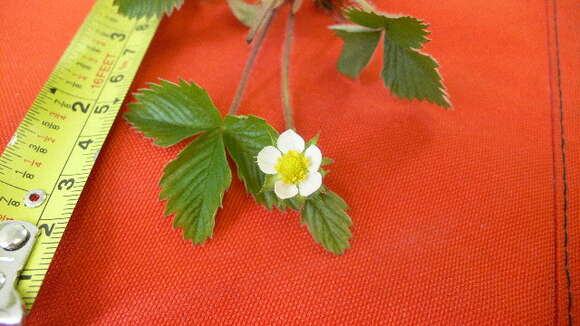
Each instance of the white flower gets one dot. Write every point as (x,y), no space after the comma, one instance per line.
(296,169)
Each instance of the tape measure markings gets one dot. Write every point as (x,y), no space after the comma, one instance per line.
(84,126)
(55,146)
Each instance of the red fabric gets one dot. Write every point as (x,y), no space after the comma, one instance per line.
(460,218)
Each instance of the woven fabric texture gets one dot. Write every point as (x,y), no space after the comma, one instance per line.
(466,217)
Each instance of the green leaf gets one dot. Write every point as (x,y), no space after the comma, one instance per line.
(359,45)
(312,141)
(147,8)
(324,213)
(407,72)
(194,185)
(246,13)
(365,18)
(412,74)
(406,31)
(295,203)
(269,182)
(171,112)
(245,136)
(327,161)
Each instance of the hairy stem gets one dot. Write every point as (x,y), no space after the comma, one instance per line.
(365,5)
(250,62)
(285,83)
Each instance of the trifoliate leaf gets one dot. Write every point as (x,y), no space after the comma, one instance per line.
(359,45)
(245,137)
(246,13)
(406,71)
(194,185)
(147,8)
(171,112)
(324,213)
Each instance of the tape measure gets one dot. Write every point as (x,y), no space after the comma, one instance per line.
(48,160)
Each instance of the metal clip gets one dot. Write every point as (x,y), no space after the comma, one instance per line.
(16,241)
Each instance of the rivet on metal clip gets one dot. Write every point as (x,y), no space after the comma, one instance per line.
(16,241)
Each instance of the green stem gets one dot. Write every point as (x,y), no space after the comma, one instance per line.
(365,5)
(250,62)
(285,83)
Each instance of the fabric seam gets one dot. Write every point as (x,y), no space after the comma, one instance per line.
(563,143)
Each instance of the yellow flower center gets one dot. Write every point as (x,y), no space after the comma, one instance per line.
(293,167)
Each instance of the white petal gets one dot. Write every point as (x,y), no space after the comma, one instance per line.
(268,158)
(314,155)
(285,191)
(290,140)
(311,184)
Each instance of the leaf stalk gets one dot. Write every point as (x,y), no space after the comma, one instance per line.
(285,79)
(365,5)
(257,44)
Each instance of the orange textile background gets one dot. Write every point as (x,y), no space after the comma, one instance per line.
(463,217)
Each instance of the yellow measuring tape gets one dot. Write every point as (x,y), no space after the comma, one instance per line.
(48,160)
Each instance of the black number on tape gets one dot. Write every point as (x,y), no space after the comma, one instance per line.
(118,36)
(47,230)
(101,109)
(85,143)
(80,106)
(66,184)
(117,78)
